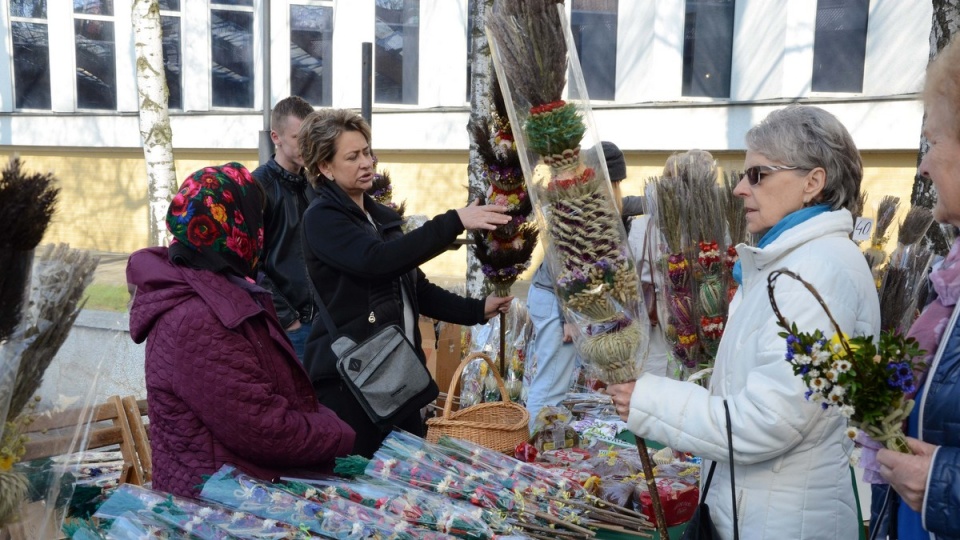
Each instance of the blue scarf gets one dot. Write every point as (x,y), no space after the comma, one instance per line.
(788,222)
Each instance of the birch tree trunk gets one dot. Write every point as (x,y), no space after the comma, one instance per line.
(155,132)
(946,24)
(481,68)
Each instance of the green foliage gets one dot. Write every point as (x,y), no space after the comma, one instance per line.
(106,297)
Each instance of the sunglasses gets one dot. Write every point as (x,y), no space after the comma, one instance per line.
(755,174)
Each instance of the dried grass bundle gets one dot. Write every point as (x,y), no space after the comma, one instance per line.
(61,276)
(861,204)
(900,289)
(27,204)
(531,43)
(914,226)
(733,209)
(668,217)
(876,254)
(886,211)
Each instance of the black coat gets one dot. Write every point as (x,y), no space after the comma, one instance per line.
(357,268)
(284,272)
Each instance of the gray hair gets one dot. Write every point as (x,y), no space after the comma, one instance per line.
(810,137)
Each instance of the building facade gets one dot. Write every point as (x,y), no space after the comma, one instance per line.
(663,75)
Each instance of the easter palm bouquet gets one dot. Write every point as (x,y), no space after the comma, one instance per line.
(868,380)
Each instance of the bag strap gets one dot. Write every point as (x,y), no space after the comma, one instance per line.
(324,314)
(706,485)
(733,485)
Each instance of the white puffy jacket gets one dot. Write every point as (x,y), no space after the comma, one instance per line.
(791,456)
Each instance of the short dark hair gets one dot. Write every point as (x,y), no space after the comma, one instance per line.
(291,106)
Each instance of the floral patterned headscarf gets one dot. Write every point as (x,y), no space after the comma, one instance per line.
(216,220)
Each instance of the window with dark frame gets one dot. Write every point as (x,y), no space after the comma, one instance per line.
(397,51)
(231,42)
(172,60)
(594,27)
(31,54)
(707,48)
(840,45)
(96,54)
(311,53)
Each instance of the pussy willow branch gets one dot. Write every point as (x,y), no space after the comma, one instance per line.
(771,283)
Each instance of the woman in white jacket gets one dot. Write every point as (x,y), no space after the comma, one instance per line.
(802,180)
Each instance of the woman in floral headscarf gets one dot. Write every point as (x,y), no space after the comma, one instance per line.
(223,382)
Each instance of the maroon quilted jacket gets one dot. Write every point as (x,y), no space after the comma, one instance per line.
(223,382)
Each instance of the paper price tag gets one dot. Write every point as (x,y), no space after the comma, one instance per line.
(862,229)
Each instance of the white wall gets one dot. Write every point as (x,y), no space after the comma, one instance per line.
(772,65)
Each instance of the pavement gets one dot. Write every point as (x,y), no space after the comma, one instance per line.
(112,269)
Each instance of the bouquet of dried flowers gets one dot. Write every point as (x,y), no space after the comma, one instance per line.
(868,380)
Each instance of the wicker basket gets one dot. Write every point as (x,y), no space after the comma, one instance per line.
(500,426)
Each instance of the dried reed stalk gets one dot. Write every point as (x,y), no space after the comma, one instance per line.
(531,42)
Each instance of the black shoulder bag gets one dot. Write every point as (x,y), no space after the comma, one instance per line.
(700,526)
(383,372)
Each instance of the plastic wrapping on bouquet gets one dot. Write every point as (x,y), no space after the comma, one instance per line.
(584,240)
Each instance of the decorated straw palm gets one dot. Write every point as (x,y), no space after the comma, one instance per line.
(583,235)
(694,214)
(382,190)
(504,252)
(582,232)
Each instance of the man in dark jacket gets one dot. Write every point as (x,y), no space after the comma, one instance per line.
(284,272)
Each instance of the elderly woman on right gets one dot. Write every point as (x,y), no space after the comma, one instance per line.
(801,182)
(927,483)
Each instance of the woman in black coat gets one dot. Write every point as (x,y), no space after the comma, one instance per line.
(366,270)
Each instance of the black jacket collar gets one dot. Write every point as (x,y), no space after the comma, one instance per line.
(384,216)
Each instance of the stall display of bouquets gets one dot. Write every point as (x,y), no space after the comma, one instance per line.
(695,261)
(582,232)
(160,513)
(416,507)
(332,518)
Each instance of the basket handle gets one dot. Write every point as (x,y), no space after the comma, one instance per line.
(448,405)
(772,281)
